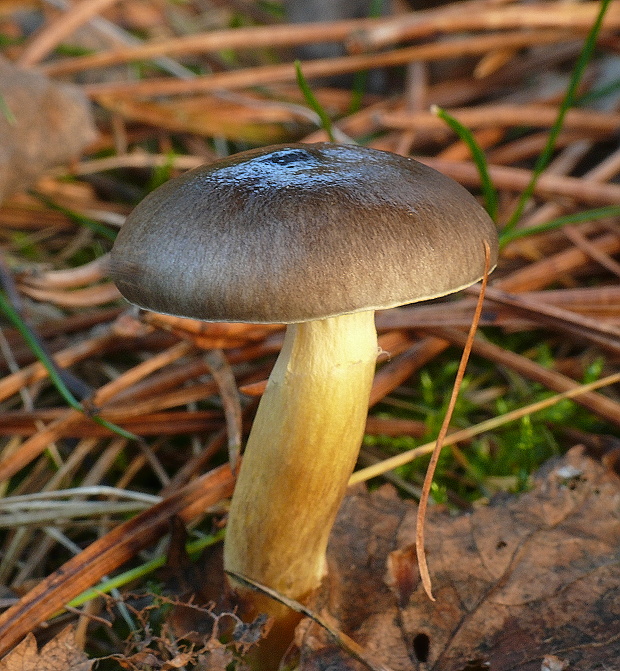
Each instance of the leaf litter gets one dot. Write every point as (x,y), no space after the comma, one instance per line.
(525,583)
(60,654)
(516,581)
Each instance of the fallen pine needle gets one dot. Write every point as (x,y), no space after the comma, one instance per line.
(430,471)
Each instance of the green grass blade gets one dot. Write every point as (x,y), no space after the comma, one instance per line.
(130,575)
(575,218)
(6,112)
(80,219)
(52,370)
(609,89)
(39,352)
(313,103)
(115,428)
(488,190)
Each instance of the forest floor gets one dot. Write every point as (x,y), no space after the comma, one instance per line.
(128,434)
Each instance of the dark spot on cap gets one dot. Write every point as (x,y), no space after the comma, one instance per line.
(289,156)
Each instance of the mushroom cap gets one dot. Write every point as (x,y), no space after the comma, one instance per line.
(300,232)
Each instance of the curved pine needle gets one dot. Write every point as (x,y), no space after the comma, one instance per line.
(430,471)
(340,638)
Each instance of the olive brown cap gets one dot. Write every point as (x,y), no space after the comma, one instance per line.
(300,232)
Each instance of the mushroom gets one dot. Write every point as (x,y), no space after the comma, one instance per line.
(317,236)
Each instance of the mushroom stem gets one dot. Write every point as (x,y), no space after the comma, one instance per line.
(300,454)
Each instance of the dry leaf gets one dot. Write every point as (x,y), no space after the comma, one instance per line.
(523,581)
(42,125)
(59,654)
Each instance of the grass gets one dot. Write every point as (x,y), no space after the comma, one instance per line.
(504,460)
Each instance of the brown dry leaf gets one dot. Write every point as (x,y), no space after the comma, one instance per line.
(520,582)
(59,654)
(42,125)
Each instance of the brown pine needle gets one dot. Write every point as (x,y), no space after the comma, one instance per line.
(34,446)
(229,394)
(326,67)
(99,294)
(430,471)
(514,179)
(109,552)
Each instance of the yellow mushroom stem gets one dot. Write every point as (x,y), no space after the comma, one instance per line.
(302,449)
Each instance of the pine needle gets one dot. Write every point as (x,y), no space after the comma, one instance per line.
(430,471)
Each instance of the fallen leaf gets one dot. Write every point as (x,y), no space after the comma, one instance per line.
(218,659)
(42,125)
(59,654)
(526,581)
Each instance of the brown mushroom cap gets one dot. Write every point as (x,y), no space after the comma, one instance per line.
(300,232)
